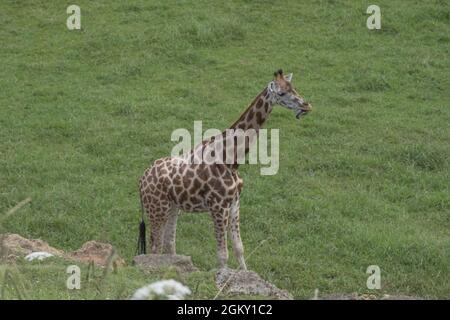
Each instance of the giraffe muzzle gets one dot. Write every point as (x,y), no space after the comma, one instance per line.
(300,113)
(303,110)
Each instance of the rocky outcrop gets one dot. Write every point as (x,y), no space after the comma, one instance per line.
(14,246)
(243,282)
(99,253)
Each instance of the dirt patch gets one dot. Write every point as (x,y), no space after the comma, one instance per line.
(14,246)
(248,283)
(157,261)
(101,254)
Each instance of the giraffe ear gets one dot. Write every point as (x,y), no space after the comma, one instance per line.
(272,87)
(288,77)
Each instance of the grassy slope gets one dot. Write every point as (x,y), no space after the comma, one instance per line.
(363,180)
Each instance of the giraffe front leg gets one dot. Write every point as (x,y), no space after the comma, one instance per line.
(235,233)
(170,230)
(220,219)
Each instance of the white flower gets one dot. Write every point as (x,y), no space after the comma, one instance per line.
(168,289)
(40,255)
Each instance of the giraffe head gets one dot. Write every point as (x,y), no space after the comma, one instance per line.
(283,93)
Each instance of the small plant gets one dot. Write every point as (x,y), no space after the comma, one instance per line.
(162,290)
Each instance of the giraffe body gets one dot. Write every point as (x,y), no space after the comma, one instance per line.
(171,185)
(176,183)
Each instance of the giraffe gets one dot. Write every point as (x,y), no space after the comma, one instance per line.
(174,184)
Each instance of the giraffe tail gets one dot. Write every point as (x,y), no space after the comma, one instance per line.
(142,242)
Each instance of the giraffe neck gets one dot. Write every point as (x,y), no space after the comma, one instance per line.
(253,118)
(256,114)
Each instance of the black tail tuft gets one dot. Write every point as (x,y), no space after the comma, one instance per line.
(142,242)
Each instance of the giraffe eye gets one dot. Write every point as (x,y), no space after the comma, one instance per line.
(281,94)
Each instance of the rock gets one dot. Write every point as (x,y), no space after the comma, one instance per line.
(39,255)
(156,261)
(342,296)
(247,282)
(97,252)
(14,244)
(399,297)
(356,296)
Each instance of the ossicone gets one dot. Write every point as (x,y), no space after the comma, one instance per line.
(278,73)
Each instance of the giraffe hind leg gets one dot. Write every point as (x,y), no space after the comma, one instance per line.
(235,234)
(157,217)
(157,223)
(220,219)
(170,230)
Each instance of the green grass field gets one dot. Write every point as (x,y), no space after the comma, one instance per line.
(363,180)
